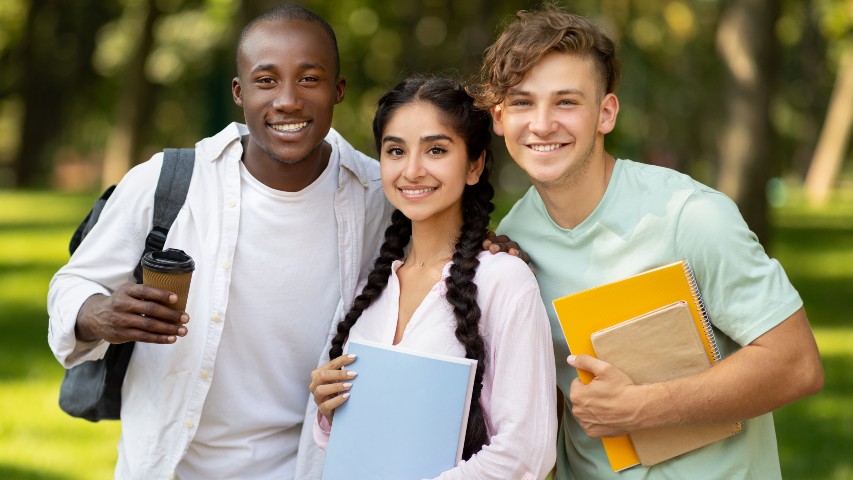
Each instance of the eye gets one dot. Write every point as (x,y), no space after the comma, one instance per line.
(265,81)
(568,102)
(309,79)
(394,151)
(519,103)
(436,150)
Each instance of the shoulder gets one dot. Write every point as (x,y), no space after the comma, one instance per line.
(503,271)
(523,213)
(363,166)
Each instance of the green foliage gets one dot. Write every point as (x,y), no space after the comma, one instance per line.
(38,441)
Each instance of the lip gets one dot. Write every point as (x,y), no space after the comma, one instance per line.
(546,148)
(289,127)
(416,191)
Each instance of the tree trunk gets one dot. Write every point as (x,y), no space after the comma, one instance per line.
(134,108)
(746,42)
(834,136)
(42,101)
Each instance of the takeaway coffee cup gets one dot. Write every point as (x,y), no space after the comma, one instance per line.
(170,270)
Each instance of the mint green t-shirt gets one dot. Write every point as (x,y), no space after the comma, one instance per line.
(650,216)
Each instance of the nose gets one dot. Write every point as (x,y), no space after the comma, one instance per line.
(542,122)
(414,168)
(287,98)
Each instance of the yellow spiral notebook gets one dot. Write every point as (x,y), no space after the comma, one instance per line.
(590,312)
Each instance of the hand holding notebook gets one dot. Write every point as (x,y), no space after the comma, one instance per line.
(585,314)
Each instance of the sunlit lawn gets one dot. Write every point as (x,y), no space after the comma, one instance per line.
(38,441)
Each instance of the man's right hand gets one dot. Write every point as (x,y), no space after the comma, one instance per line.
(133,313)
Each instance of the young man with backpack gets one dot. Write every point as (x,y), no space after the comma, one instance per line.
(281,217)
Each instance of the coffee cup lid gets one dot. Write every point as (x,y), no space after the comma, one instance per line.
(171,260)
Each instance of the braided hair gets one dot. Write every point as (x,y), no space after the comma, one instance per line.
(457,109)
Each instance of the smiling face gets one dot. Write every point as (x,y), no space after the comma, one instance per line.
(554,120)
(287,86)
(424,165)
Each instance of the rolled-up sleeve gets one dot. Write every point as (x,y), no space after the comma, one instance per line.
(103,261)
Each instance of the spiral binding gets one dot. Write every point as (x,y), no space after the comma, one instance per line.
(707,329)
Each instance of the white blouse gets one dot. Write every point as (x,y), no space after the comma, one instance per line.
(518,395)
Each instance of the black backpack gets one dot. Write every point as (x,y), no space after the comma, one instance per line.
(92,390)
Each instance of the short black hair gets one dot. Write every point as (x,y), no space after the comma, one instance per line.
(285,12)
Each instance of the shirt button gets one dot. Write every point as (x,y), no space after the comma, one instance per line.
(225,265)
(216,318)
(364,181)
(189,423)
(171,476)
(205,374)
(232,203)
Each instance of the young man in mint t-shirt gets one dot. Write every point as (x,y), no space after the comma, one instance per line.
(590,219)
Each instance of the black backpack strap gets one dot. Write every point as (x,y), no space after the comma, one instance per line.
(90,220)
(171,193)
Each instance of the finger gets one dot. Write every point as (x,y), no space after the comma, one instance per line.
(517,252)
(330,405)
(149,324)
(153,294)
(342,361)
(328,390)
(133,335)
(154,309)
(588,363)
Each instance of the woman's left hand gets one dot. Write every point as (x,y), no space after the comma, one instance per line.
(330,385)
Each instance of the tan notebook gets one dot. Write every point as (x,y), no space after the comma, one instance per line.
(657,346)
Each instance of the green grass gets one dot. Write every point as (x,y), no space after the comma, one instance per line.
(38,441)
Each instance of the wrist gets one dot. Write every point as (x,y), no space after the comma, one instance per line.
(657,406)
(82,330)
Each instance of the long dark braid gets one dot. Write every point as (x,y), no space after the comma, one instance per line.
(397,236)
(473,126)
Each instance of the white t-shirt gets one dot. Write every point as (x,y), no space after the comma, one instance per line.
(274,331)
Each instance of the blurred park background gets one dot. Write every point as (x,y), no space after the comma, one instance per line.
(753,97)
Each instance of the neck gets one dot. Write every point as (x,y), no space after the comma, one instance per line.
(284,175)
(433,242)
(571,203)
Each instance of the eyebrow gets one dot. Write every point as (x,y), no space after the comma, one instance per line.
(526,93)
(302,66)
(426,139)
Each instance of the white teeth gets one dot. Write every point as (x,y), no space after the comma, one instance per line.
(290,127)
(418,191)
(545,148)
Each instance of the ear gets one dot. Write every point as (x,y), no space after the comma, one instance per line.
(340,90)
(608,113)
(237,91)
(497,119)
(475,169)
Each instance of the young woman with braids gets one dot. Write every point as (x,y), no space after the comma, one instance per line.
(433,288)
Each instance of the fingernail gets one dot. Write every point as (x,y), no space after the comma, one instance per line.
(351,373)
(351,355)
(487,243)
(345,395)
(182,331)
(347,385)
(571,358)
(185,318)
(171,339)
(173,298)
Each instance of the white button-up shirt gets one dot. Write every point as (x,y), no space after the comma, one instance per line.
(166,385)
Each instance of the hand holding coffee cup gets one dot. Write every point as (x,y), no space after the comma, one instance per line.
(169,270)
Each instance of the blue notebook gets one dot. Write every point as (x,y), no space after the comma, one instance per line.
(405,417)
